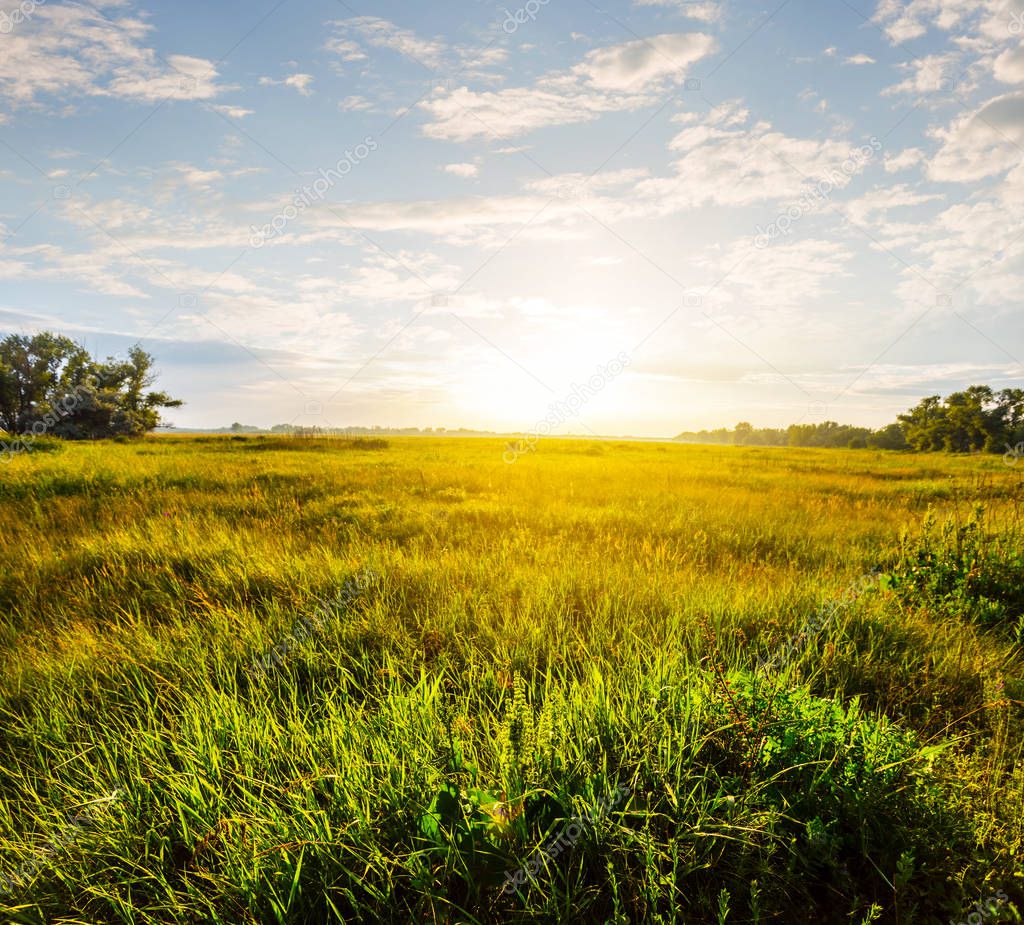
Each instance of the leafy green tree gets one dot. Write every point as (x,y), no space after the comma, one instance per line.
(1010,416)
(975,419)
(971,416)
(890,437)
(1011,401)
(35,373)
(925,424)
(49,384)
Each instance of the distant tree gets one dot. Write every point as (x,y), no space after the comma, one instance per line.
(975,419)
(1011,403)
(971,416)
(924,425)
(890,437)
(49,384)
(1008,429)
(742,433)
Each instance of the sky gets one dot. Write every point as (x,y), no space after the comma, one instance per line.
(625,218)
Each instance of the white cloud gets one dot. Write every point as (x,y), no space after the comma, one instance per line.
(769,285)
(354,36)
(926,75)
(355,104)
(708,11)
(409,277)
(611,79)
(232,112)
(462,170)
(381,33)
(345,49)
(902,20)
(298,82)
(464,114)
(66,51)
(960,244)
(909,157)
(1009,66)
(724,160)
(459,219)
(196,177)
(880,201)
(100,269)
(859,59)
(635,65)
(581,185)
(982,143)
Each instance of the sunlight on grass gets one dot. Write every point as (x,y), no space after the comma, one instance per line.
(518,643)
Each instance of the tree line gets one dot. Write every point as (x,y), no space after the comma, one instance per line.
(978,419)
(49,385)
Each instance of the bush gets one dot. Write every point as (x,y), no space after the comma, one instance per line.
(966,569)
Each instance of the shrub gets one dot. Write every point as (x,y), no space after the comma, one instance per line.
(967,569)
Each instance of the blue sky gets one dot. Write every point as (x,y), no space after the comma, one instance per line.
(459,215)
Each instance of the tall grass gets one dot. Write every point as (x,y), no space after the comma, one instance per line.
(534,636)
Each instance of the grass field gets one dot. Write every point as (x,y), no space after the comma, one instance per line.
(277,680)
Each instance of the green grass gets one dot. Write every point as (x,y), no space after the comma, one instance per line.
(530,640)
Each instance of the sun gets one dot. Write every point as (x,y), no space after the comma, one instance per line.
(560,383)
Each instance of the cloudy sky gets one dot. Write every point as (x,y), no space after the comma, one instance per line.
(322,212)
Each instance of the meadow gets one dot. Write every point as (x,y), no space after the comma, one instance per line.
(275,680)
